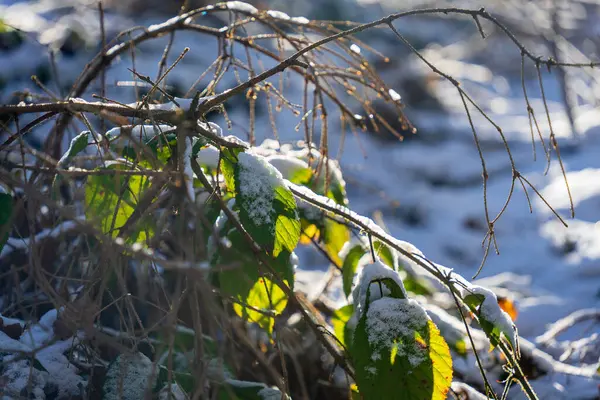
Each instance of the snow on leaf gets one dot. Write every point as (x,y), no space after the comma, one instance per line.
(77,145)
(291,168)
(397,349)
(370,283)
(267,207)
(257,181)
(388,319)
(494,321)
(208,157)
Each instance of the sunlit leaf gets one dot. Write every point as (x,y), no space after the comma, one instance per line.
(334,235)
(339,320)
(112,198)
(415,365)
(264,300)
(349,267)
(267,208)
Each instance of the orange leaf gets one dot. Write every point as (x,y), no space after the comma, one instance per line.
(508,306)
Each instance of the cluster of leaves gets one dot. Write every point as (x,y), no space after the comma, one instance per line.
(254,226)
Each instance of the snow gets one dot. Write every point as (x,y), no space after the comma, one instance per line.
(209,157)
(23,244)
(241,6)
(394,95)
(257,183)
(211,127)
(300,20)
(287,165)
(354,48)
(466,390)
(39,340)
(584,188)
(389,319)
(363,284)
(278,15)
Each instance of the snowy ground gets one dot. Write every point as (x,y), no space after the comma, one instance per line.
(428,191)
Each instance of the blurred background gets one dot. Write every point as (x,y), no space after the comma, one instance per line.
(426,189)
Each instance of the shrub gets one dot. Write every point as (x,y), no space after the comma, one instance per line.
(178,244)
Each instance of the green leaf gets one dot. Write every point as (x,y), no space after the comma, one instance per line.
(78,144)
(229,161)
(398,355)
(111,199)
(301,176)
(334,235)
(241,279)
(395,289)
(339,320)
(6,210)
(349,267)
(417,285)
(287,226)
(385,254)
(267,297)
(267,208)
